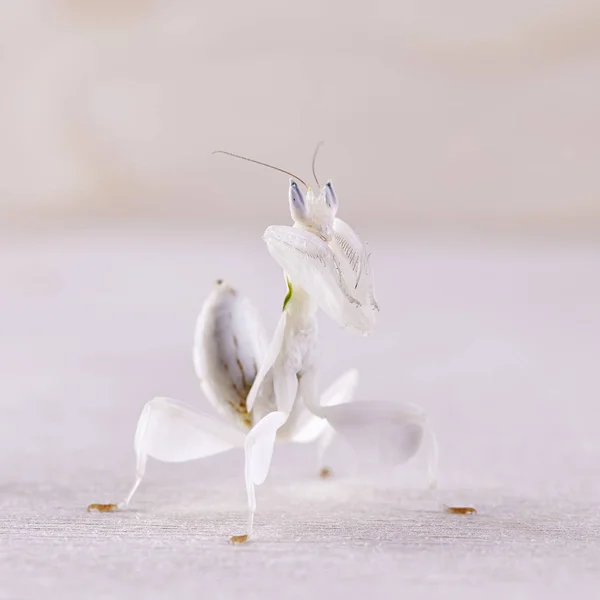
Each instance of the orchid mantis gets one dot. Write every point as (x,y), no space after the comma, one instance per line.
(268,392)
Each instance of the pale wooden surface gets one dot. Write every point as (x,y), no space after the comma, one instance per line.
(498,341)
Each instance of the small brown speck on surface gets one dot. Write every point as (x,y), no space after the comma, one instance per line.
(460,510)
(325,473)
(238,539)
(102,507)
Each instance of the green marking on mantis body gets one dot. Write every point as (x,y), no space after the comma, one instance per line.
(289,294)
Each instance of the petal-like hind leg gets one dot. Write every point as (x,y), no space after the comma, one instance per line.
(171,431)
(313,428)
(385,433)
(259,446)
(340,392)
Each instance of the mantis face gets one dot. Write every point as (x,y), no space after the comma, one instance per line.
(314,213)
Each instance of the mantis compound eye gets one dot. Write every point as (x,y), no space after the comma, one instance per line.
(330,197)
(297,202)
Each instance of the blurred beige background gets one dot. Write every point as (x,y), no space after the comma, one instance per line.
(467,114)
(438,118)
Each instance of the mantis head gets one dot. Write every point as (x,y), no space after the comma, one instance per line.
(314,213)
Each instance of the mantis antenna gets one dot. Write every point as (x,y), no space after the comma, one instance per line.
(258,162)
(314,160)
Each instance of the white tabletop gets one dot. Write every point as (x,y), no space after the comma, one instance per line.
(499,341)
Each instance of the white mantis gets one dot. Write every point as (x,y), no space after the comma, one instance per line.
(268,392)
